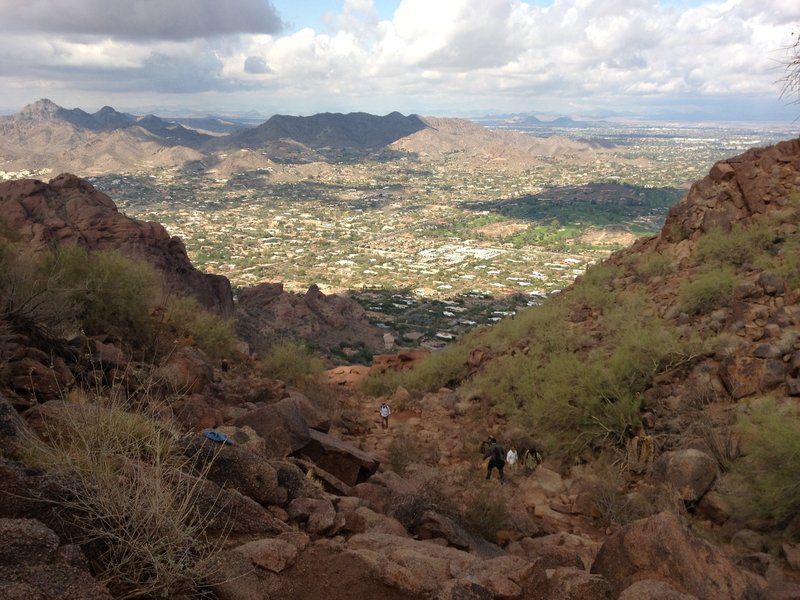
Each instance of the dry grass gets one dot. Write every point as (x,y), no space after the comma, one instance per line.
(127,496)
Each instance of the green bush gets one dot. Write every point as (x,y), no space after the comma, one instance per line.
(595,288)
(212,333)
(115,293)
(764,483)
(445,368)
(292,362)
(736,247)
(34,296)
(711,290)
(653,264)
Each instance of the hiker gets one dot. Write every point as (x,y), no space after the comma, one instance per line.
(485,444)
(531,459)
(384,411)
(511,458)
(496,456)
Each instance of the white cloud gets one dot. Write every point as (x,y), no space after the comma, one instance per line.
(432,56)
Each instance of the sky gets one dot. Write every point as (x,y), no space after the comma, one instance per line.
(641,59)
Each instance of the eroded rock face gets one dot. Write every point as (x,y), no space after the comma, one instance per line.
(69,209)
(266,312)
(660,548)
(735,190)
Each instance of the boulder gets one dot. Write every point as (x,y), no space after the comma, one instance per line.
(187,371)
(432,525)
(235,467)
(195,413)
(649,589)
(34,565)
(363,520)
(660,548)
(281,425)
(559,550)
(315,417)
(318,514)
(339,458)
(689,473)
(229,511)
(272,554)
(747,375)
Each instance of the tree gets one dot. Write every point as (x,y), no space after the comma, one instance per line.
(791,78)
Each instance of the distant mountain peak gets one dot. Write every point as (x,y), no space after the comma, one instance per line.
(41,110)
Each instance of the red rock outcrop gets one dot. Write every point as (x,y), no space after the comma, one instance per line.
(266,313)
(69,209)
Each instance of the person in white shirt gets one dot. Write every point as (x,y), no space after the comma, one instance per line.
(511,458)
(384,411)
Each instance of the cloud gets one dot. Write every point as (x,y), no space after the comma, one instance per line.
(256,65)
(141,19)
(445,57)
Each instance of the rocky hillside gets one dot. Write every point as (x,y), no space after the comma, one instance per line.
(69,210)
(633,383)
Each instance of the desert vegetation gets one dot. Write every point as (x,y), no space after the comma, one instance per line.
(128,492)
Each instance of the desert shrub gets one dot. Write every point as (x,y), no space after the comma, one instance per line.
(409,508)
(129,497)
(380,384)
(721,441)
(485,513)
(595,287)
(546,326)
(34,296)
(403,451)
(292,362)
(584,400)
(711,290)
(653,264)
(445,368)
(212,333)
(736,247)
(764,482)
(115,294)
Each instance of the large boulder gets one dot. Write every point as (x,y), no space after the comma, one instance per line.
(235,467)
(660,548)
(281,425)
(187,371)
(689,473)
(339,458)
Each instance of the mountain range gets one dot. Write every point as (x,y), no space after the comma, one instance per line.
(44,137)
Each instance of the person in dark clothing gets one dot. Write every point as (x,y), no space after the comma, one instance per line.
(496,455)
